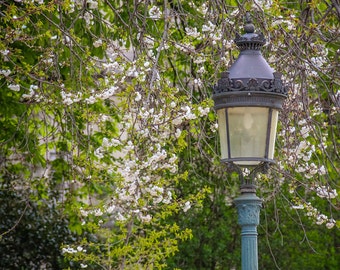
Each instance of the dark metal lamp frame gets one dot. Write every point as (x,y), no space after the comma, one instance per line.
(239,88)
(248,182)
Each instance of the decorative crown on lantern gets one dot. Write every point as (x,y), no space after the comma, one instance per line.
(256,75)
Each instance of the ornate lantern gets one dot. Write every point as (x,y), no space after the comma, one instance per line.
(247,99)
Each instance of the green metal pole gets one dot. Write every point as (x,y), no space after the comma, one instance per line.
(248,207)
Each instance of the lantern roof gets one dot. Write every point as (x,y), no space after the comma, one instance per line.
(250,74)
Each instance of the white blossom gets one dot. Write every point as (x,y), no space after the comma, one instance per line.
(187,206)
(138,96)
(155,13)
(132,72)
(149,41)
(178,133)
(98,43)
(188,114)
(185,47)
(199,60)
(203,111)
(83,212)
(31,93)
(14,87)
(120,217)
(98,153)
(155,190)
(70,98)
(173,159)
(322,170)
(110,209)
(104,117)
(147,218)
(300,206)
(88,17)
(326,192)
(108,93)
(264,3)
(321,218)
(6,73)
(177,121)
(98,212)
(227,45)
(168,198)
(330,224)
(92,4)
(201,70)
(208,28)
(90,100)
(214,127)
(198,82)
(305,131)
(318,61)
(192,31)
(106,142)
(4,52)
(203,9)
(217,36)
(68,250)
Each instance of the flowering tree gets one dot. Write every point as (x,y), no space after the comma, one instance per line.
(107,117)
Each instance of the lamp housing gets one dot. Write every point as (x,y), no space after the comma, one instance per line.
(248,98)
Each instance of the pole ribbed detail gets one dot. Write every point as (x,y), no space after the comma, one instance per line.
(248,207)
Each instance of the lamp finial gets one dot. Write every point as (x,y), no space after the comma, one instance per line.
(249,26)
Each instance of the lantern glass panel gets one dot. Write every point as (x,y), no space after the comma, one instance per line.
(222,128)
(248,133)
(273,127)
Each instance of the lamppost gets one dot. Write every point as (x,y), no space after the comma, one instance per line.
(248,98)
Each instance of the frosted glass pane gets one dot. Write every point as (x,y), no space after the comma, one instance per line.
(222,128)
(271,148)
(248,130)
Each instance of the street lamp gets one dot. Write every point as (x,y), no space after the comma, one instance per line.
(248,98)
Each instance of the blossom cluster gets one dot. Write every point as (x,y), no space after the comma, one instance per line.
(138,183)
(141,174)
(71,250)
(313,213)
(265,4)
(68,98)
(319,62)
(5,72)
(304,142)
(91,4)
(301,155)
(326,192)
(155,13)
(148,130)
(280,21)
(40,2)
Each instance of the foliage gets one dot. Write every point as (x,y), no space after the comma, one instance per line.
(107,126)
(31,233)
(291,240)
